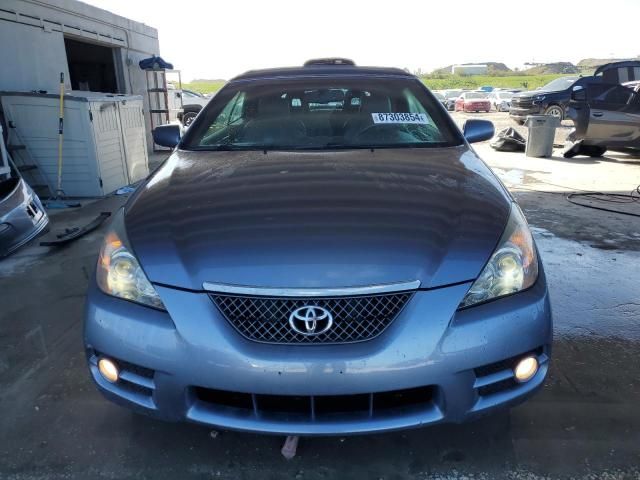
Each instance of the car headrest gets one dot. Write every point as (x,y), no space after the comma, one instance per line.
(272,106)
(376,104)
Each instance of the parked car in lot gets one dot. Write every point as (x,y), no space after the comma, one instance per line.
(604,115)
(192,103)
(550,99)
(452,96)
(501,100)
(441,98)
(473,102)
(322,253)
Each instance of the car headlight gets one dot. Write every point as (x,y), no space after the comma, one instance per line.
(513,267)
(119,273)
(539,98)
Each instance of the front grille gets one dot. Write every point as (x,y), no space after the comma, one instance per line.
(32,210)
(355,318)
(522,102)
(319,406)
(501,386)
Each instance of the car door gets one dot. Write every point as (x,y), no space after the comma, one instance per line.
(614,116)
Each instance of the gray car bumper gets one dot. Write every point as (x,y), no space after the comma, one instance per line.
(22,218)
(167,359)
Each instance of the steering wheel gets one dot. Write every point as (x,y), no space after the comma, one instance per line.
(384,134)
(402,133)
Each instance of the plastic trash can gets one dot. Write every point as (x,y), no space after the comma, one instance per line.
(542,133)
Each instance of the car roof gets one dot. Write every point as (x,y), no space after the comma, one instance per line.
(614,65)
(320,70)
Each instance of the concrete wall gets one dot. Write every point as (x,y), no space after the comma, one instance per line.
(21,69)
(32,52)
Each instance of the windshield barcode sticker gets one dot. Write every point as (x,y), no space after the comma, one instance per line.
(420,118)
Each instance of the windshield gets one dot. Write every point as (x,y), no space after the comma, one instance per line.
(311,113)
(476,95)
(559,84)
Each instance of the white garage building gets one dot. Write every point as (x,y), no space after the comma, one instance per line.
(97,51)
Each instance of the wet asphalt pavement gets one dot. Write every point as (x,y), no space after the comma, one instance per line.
(585,423)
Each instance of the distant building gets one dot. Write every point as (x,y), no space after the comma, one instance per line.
(469,69)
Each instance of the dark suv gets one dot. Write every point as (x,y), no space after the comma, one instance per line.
(551,99)
(554,97)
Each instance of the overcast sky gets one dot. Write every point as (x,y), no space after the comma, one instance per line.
(219,39)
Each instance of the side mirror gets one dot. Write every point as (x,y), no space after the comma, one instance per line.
(478,130)
(579,94)
(167,135)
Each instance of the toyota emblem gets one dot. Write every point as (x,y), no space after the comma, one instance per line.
(311,320)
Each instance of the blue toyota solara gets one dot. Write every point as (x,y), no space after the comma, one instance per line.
(322,253)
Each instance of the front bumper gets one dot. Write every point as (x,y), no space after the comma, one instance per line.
(190,364)
(520,113)
(22,218)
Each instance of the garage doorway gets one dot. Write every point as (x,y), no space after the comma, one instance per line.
(91,67)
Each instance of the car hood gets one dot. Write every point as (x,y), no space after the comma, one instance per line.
(535,93)
(317,219)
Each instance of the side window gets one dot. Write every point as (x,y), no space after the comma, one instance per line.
(231,113)
(618,95)
(235,115)
(610,94)
(412,102)
(596,90)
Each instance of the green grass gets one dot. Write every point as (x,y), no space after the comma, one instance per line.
(435,82)
(204,86)
(527,82)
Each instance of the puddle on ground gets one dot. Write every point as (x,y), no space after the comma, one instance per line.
(22,260)
(594,292)
(513,176)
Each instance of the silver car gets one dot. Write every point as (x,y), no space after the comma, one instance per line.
(501,100)
(323,253)
(22,216)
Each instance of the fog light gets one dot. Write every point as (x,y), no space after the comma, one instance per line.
(526,369)
(108,369)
